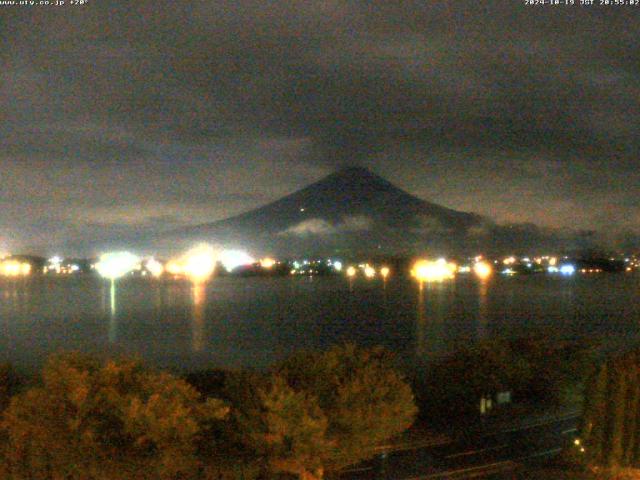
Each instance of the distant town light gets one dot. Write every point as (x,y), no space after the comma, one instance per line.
(567,269)
(232,259)
(116,264)
(430,271)
(337,265)
(267,262)
(482,269)
(14,268)
(154,267)
(199,263)
(369,271)
(351,272)
(384,271)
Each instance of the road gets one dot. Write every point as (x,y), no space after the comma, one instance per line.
(480,455)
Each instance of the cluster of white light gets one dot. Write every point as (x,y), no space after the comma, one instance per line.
(567,269)
(154,267)
(232,259)
(116,264)
(58,266)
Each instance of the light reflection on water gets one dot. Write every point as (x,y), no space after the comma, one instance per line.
(254,321)
(198,329)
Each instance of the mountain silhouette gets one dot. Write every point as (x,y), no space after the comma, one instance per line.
(351,211)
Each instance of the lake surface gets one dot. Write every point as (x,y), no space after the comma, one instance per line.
(232,322)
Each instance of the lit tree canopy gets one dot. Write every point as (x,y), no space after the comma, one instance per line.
(327,410)
(98,420)
(611,421)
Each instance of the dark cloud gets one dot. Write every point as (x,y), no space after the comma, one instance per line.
(116,115)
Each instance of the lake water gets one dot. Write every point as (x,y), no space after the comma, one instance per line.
(232,322)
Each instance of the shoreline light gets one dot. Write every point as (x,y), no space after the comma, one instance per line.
(267,262)
(14,268)
(369,271)
(482,269)
(116,264)
(154,267)
(384,271)
(231,259)
(199,263)
(433,271)
(567,269)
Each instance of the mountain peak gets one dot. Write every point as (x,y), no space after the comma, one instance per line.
(354,170)
(357,177)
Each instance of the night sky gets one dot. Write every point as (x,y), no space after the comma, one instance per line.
(146,116)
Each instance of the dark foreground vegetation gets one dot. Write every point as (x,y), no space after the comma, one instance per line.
(312,413)
(608,447)
(308,416)
(533,370)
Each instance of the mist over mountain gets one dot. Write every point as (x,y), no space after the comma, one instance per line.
(356,212)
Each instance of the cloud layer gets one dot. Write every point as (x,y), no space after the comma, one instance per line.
(321,227)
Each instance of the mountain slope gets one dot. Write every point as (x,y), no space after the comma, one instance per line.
(352,210)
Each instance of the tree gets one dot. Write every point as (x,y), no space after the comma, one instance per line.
(102,420)
(365,400)
(288,428)
(611,419)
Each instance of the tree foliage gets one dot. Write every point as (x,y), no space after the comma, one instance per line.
(327,410)
(95,420)
(611,420)
(288,428)
(366,400)
(533,369)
